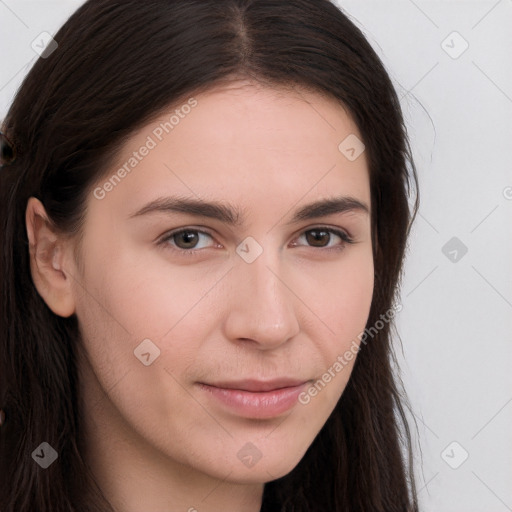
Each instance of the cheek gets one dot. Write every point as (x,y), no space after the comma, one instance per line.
(125,303)
(342,306)
(340,296)
(145,295)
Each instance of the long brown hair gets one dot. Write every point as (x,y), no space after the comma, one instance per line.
(118,64)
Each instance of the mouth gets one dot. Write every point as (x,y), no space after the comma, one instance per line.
(251,398)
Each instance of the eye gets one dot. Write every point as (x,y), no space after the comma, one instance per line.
(321,237)
(186,240)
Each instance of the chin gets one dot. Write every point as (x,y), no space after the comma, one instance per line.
(264,471)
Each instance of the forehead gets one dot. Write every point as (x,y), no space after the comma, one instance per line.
(244,143)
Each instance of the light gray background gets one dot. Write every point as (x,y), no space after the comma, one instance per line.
(456,321)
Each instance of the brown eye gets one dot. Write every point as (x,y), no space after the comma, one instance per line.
(322,237)
(187,239)
(317,237)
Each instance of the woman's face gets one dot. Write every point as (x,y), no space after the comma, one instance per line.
(190,333)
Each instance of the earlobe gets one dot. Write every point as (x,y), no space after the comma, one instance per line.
(47,252)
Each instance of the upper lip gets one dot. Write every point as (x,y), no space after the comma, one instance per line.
(256,385)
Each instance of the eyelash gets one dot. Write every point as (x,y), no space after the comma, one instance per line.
(194,252)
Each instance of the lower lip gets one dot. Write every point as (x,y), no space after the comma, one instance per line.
(262,405)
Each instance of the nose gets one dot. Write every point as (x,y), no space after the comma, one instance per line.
(261,306)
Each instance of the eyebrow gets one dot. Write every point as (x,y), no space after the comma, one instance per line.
(234,217)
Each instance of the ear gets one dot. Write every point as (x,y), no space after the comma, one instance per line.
(48,253)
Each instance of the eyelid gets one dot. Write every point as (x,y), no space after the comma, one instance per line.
(331,229)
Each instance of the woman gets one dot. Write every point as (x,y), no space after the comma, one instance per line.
(204,218)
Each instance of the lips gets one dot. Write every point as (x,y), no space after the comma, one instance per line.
(254,399)
(258,386)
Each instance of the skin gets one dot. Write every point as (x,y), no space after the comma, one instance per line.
(155,440)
